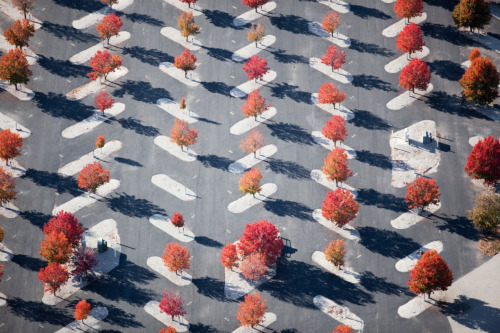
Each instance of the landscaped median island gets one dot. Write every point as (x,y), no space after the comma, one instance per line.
(90,324)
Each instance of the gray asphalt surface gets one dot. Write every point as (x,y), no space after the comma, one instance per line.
(131,285)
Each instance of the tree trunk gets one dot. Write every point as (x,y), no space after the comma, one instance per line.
(255,154)
(332,68)
(15,85)
(187,40)
(332,33)
(185,74)
(24,12)
(256,9)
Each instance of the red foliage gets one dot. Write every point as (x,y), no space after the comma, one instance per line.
(177,220)
(83,260)
(175,257)
(109,27)
(421,193)
(182,104)
(56,248)
(483,161)
(24,6)
(254,105)
(410,40)
(103,101)
(182,135)
(261,237)
(480,81)
(339,207)
(189,2)
(14,67)
(110,2)
(329,94)
(92,176)
(1,272)
(186,61)
(331,22)
(229,256)
(10,145)
(185,23)
(169,329)
(251,311)
(102,63)
(429,274)
(67,223)
(343,329)
(53,276)
(100,142)
(408,8)
(255,68)
(253,267)
(333,58)
(249,182)
(19,33)
(335,130)
(253,142)
(336,166)
(254,3)
(82,310)
(172,304)
(475,53)
(415,75)
(7,187)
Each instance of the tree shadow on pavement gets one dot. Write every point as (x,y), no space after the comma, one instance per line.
(131,206)
(58,106)
(368,120)
(128,161)
(288,168)
(281,56)
(143,18)
(215,161)
(280,90)
(298,283)
(63,68)
(360,46)
(141,91)
(446,4)
(87,5)
(152,57)
(386,242)
(38,219)
(217,87)
(38,312)
(370,82)
(116,316)
(289,132)
(292,23)
(137,126)
(54,180)
(68,33)
(368,13)
(446,69)
(374,159)
(211,288)
(472,313)
(452,104)
(203,328)
(368,196)
(447,33)
(220,19)
(209,242)
(218,53)
(376,284)
(459,225)
(287,208)
(29,263)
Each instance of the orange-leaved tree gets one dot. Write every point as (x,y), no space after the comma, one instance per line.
(343,329)
(186,61)
(185,23)
(56,248)
(329,94)
(182,134)
(475,53)
(408,8)
(339,207)
(483,161)
(103,63)
(14,67)
(253,142)
(334,252)
(335,130)
(249,182)
(256,33)
(421,193)
(331,22)
(110,3)
(333,58)
(92,176)
(410,39)
(472,14)
(480,81)
(103,101)
(82,310)
(100,142)
(169,329)
(24,6)
(109,26)
(67,223)
(19,33)
(229,256)
(415,75)
(10,145)
(7,187)
(254,105)
(176,257)
(177,220)
(336,166)
(251,311)
(429,274)
(53,276)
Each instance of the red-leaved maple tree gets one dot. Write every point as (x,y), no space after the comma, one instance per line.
(82,310)
(186,25)
(24,6)
(339,207)
(53,276)
(255,68)
(56,248)
(421,193)
(109,26)
(7,187)
(331,22)
(329,94)
(67,223)
(254,3)
(168,329)
(343,329)
(253,142)
(103,101)
(10,145)
(480,81)
(19,33)
(186,61)
(177,220)
(334,252)
(229,256)
(14,67)
(253,267)
(335,130)
(172,304)
(483,161)
(249,182)
(92,176)
(175,257)
(251,311)
(408,8)
(410,39)
(103,63)
(429,274)
(189,2)
(261,237)
(333,58)
(415,75)
(254,105)
(83,260)
(182,134)
(336,166)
